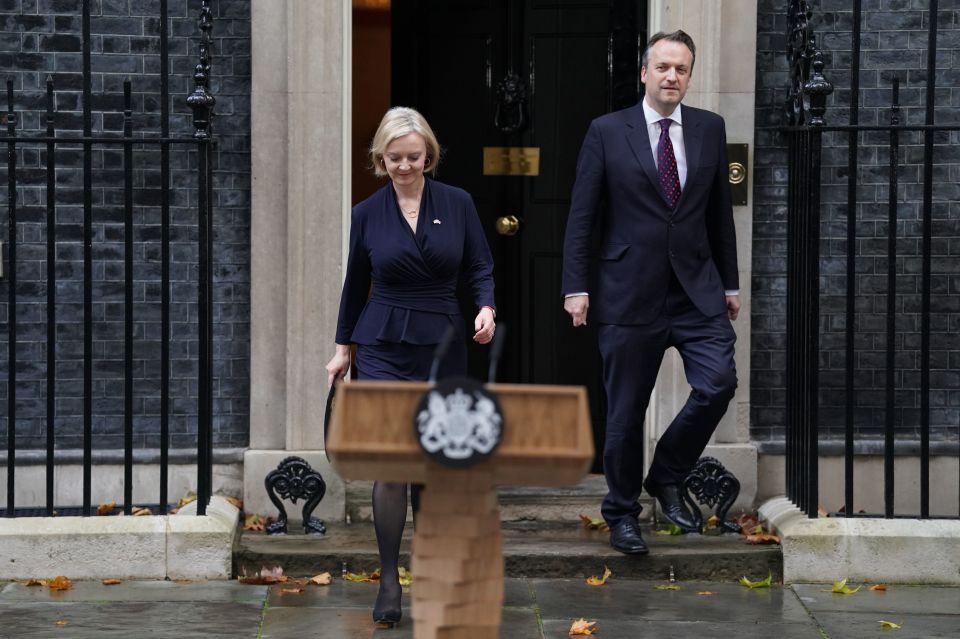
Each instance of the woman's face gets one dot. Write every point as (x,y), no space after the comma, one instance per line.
(405,158)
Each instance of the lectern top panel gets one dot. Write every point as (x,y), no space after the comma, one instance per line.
(548,441)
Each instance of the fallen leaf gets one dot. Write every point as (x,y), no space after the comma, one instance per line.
(30,583)
(599,581)
(746,521)
(375,575)
(63,622)
(879,587)
(757,584)
(323,579)
(712,522)
(256,523)
(406,577)
(111,582)
(672,529)
(763,538)
(594,523)
(667,587)
(260,580)
(756,530)
(233,500)
(889,624)
(841,588)
(582,627)
(186,499)
(60,583)
(138,511)
(292,590)
(266,577)
(706,593)
(106,508)
(359,577)
(182,582)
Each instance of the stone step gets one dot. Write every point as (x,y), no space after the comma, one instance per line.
(530,549)
(518,503)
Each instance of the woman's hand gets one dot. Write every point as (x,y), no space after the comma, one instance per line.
(484,326)
(338,365)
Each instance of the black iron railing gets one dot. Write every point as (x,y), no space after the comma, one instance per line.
(201,102)
(805,131)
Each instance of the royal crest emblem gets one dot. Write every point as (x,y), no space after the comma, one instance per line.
(458,422)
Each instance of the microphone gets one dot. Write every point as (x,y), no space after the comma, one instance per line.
(441,352)
(496,349)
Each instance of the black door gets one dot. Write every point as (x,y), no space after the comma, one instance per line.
(568,61)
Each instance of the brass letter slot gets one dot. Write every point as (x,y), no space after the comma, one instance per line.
(511,160)
(739,185)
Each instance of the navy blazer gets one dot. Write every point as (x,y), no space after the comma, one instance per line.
(414,276)
(617,194)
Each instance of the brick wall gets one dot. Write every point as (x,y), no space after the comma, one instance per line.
(894,42)
(41,38)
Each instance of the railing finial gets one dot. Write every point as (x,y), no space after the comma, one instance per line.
(201,100)
(806,103)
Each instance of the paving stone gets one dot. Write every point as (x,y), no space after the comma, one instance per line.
(634,628)
(623,599)
(132,591)
(517,593)
(854,625)
(109,620)
(904,599)
(339,594)
(351,623)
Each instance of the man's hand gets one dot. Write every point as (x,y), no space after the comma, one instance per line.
(576,306)
(733,306)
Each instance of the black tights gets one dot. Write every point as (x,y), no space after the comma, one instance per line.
(389,518)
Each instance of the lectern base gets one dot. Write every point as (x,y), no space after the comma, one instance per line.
(457,557)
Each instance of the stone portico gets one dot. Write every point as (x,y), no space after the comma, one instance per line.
(301,159)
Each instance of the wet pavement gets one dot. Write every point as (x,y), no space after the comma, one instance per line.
(534,609)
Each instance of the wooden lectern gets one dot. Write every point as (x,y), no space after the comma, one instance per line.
(457,546)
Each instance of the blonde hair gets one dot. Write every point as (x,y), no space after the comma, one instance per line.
(396,123)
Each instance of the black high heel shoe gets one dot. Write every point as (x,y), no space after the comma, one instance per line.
(387,614)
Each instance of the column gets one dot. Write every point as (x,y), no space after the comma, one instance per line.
(723,81)
(300,153)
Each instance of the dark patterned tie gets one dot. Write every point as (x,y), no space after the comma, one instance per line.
(667,165)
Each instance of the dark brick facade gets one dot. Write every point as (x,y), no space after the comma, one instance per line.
(43,37)
(894,43)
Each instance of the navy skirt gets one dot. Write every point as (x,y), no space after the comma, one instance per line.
(408,362)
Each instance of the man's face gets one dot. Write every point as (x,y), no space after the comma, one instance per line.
(667,75)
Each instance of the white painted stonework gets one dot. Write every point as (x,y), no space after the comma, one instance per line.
(256,465)
(181,546)
(864,550)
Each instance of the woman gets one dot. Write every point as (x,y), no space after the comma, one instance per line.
(413,241)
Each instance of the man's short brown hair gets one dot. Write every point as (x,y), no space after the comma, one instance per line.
(677,36)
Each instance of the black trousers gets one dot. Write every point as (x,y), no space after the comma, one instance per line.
(631,360)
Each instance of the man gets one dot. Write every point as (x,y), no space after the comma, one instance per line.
(652,182)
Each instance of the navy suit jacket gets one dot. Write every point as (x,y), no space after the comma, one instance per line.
(411,278)
(617,195)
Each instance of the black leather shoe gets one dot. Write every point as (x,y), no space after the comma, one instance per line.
(387,612)
(672,507)
(625,537)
